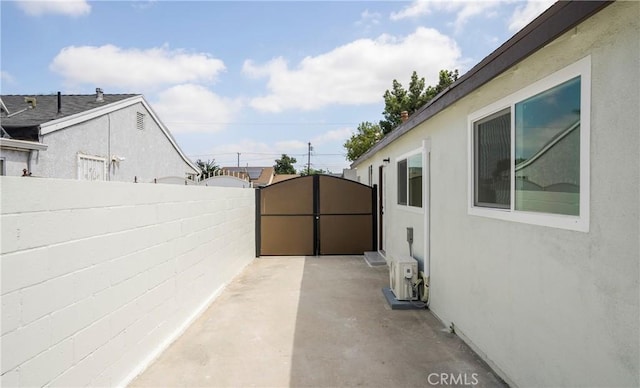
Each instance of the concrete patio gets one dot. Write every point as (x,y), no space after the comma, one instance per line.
(316,322)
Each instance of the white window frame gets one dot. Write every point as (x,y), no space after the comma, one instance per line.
(414,209)
(94,158)
(580,223)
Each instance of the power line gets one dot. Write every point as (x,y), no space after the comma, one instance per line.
(264,154)
(258,123)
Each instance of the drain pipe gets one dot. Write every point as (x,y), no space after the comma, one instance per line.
(426,200)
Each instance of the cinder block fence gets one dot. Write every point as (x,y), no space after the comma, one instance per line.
(97,278)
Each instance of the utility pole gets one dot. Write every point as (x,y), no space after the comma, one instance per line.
(309,159)
(238,158)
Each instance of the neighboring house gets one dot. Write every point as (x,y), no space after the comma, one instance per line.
(283,177)
(521,182)
(258,176)
(15,155)
(114,137)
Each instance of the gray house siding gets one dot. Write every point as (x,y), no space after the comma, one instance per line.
(147,153)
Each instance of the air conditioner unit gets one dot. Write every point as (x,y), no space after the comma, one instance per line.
(403,273)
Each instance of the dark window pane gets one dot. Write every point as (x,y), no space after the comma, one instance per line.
(492,139)
(402,182)
(547,151)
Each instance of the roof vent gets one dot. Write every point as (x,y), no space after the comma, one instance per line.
(99,95)
(31,101)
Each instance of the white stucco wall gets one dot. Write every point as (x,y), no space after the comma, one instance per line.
(148,153)
(545,306)
(98,278)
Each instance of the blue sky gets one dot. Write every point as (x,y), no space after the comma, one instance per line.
(257,78)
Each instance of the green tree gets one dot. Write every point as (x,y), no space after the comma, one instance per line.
(398,99)
(284,165)
(366,136)
(208,168)
(445,78)
(313,171)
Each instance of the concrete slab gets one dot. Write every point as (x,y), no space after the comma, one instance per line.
(314,322)
(374,258)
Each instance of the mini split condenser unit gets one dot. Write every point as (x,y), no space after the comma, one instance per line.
(403,274)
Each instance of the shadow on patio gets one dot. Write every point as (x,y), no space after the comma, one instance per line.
(318,322)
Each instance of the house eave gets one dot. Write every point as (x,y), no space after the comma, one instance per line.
(21,145)
(555,21)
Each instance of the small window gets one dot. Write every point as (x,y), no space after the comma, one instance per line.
(370,175)
(415,180)
(410,181)
(2,172)
(140,121)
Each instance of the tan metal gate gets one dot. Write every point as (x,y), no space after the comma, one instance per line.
(315,215)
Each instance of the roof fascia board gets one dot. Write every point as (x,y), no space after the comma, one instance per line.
(22,145)
(64,122)
(558,19)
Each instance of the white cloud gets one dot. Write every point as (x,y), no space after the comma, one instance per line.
(133,69)
(464,10)
(415,9)
(333,135)
(5,77)
(525,14)
(291,146)
(194,108)
(355,73)
(368,19)
(72,8)
(468,10)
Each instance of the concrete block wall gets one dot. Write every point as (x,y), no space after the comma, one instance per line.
(97,278)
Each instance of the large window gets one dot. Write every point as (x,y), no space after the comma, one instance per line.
(410,181)
(529,153)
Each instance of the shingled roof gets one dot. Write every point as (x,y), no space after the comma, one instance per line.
(22,118)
